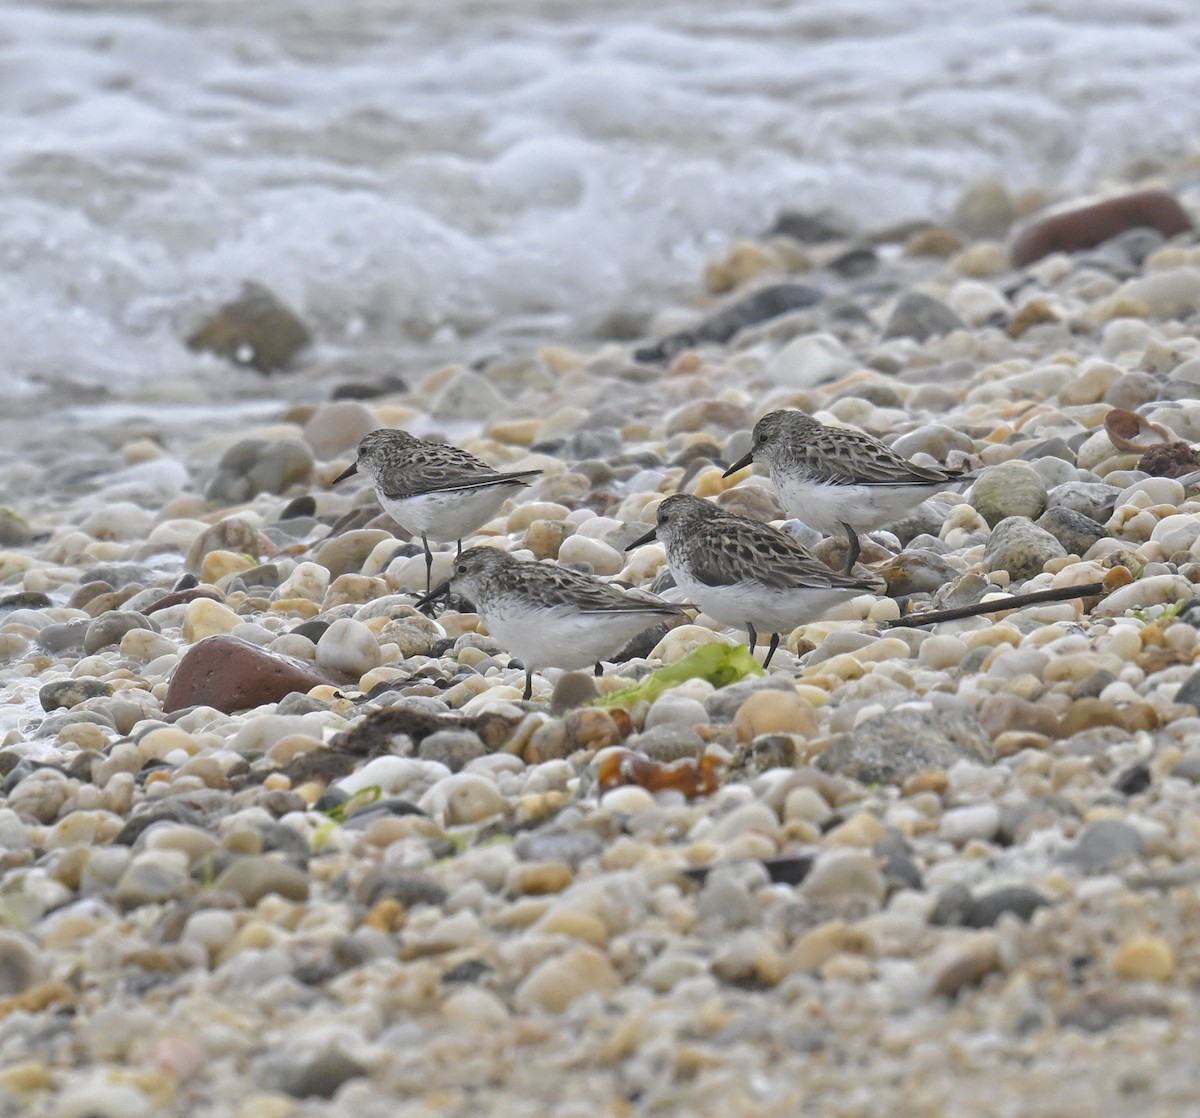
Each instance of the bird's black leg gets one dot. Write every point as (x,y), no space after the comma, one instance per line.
(428,563)
(771,650)
(599,669)
(458,550)
(753,637)
(528,684)
(853,549)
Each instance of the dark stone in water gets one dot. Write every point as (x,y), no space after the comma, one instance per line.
(24,600)
(759,306)
(364,391)
(62,694)
(855,262)
(808,229)
(255,329)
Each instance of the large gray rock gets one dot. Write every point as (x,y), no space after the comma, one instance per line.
(907,740)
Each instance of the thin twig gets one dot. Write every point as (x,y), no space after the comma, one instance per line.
(997,605)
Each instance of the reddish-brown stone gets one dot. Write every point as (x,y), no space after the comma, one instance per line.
(1088,226)
(231,674)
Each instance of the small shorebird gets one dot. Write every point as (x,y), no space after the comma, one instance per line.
(434,490)
(549,616)
(745,573)
(838,477)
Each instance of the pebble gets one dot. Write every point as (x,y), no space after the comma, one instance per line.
(1144,957)
(556,983)
(349,647)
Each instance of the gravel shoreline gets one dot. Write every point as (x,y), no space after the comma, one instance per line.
(272,843)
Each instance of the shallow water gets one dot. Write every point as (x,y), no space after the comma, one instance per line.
(454,178)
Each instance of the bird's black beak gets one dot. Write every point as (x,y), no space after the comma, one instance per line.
(643,539)
(351,469)
(442,590)
(741,463)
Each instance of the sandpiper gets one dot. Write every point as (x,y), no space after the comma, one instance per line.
(549,616)
(839,477)
(435,490)
(745,573)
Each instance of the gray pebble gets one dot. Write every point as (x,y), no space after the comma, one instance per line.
(1021,548)
(63,637)
(572,847)
(453,748)
(110,627)
(920,316)
(1105,845)
(1073,530)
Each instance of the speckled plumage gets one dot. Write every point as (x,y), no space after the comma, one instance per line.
(741,572)
(434,490)
(550,616)
(840,478)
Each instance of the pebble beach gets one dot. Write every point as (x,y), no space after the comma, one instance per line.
(276,844)
(340,867)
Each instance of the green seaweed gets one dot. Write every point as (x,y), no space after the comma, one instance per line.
(718,662)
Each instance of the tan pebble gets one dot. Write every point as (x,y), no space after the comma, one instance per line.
(847,968)
(1145,957)
(277,782)
(387,829)
(538,878)
(965,964)
(545,537)
(928,780)
(742,262)
(310,792)
(844,667)
(516,432)
(85,735)
(291,746)
(1011,742)
(158,743)
(775,712)
(576,925)
(557,982)
(203,617)
(38,998)
(350,589)
(266,1104)
(1037,312)
(524,515)
(255,935)
(710,482)
(861,829)
(824,941)
(388,915)
(217,565)
(933,242)
(25,1078)
(750,847)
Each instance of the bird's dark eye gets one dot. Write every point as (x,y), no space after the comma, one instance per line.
(461,569)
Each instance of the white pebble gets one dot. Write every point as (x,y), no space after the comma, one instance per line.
(978,821)
(348,646)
